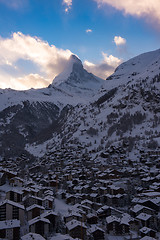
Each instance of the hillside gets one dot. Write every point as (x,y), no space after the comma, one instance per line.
(81,110)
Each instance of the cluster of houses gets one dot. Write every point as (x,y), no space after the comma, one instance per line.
(103,197)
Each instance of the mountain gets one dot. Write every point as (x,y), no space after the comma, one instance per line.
(76,80)
(80,111)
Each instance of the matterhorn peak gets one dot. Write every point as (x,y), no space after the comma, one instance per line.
(75,78)
(73,64)
(74,59)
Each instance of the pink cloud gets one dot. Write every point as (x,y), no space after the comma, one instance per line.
(142,8)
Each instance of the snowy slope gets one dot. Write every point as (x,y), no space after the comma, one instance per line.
(126,108)
(146,65)
(79,109)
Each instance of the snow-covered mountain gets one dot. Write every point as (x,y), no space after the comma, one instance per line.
(76,80)
(80,110)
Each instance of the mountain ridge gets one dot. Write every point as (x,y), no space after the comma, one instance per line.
(124,108)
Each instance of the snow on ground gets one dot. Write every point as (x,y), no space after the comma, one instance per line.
(62,237)
(61,207)
(108,237)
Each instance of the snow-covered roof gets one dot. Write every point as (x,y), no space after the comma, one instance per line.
(15,190)
(74,223)
(59,236)
(86,201)
(32,236)
(94,228)
(37,219)
(45,214)
(147,238)
(144,216)
(12,203)
(126,218)
(137,208)
(34,206)
(14,223)
(145,230)
(111,219)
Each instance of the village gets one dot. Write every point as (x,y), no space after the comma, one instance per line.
(70,195)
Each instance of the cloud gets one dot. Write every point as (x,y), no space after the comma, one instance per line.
(15,4)
(68,4)
(47,60)
(88,30)
(105,68)
(142,8)
(119,41)
(30,81)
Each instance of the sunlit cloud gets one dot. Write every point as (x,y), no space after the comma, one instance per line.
(68,5)
(105,68)
(89,30)
(118,40)
(48,59)
(142,8)
(29,81)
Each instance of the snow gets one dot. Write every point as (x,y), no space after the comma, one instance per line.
(12,203)
(37,219)
(67,71)
(61,206)
(34,206)
(31,236)
(59,236)
(147,238)
(9,224)
(144,216)
(74,223)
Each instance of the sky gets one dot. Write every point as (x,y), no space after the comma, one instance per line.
(37,37)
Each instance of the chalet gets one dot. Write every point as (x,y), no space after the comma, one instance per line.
(48,202)
(34,211)
(152,203)
(70,199)
(94,197)
(52,217)
(76,229)
(145,219)
(96,232)
(87,203)
(147,232)
(14,195)
(30,200)
(73,216)
(39,225)
(113,225)
(12,210)
(31,191)
(92,218)
(113,190)
(137,209)
(147,181)
(9,174)
(16,182)
(120,225)
(116,200)
(53,183)
(104,212)
(10,229)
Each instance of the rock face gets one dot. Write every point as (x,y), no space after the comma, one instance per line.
(81,110)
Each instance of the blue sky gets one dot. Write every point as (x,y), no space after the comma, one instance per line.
(38,36)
